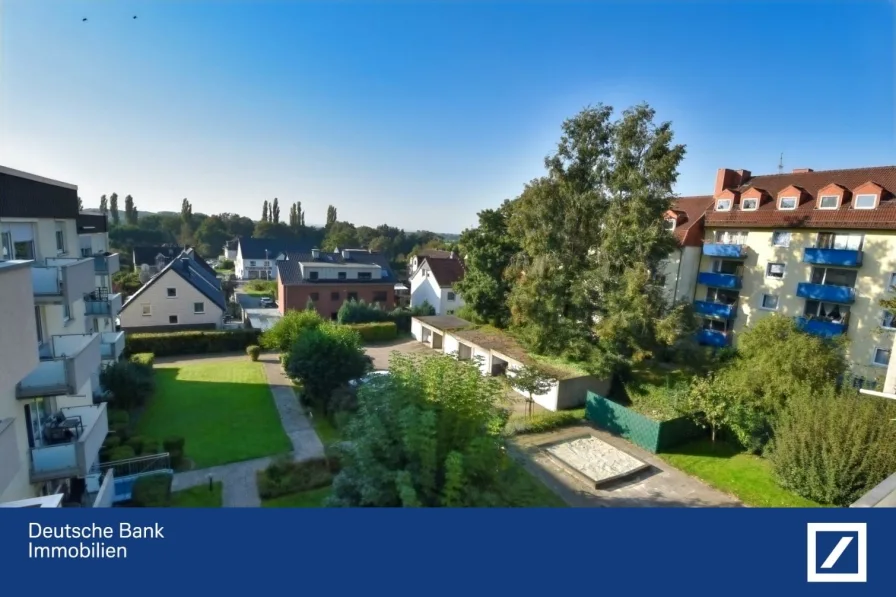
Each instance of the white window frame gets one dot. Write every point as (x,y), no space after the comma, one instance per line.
(883,319)
(878,349)
(669,224)
(176,320)
(60,238)
(781,200)
(782,232)
(201,310)
(836,199)
(768,267)
(743,204)
(762,302)
(168,292)
(147,309)
(725,202)
(251,264)
(891,287)
(874,198)
(450,297)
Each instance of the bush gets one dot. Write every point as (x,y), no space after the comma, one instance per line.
(376,332)
(130,384)
(121,453)
(111,441)
(137,443)
(175,447)
(143,358)
(226,264)
(360,312)
(285,476)
(122,432)
(543,422)
(194,342)
(152,491)
(253,351)
(288,328)
(263,286)
(150,447)
(119,417)
(832,447)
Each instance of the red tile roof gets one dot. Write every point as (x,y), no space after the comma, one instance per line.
(690,210)
(446,271)
(807,215)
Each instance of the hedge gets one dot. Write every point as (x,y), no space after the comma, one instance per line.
(143,358)
(285,476)
(542,422)
(376,332)
(192,342)
(152,491)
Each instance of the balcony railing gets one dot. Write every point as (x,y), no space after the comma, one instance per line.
(111,345)
(714,280)
(70,443)
(823,327)
(64,367)
(724,250)
(827,293)
(841,257)
(715,310)
(712,338)
(101,303)
(62,280)
(106,264)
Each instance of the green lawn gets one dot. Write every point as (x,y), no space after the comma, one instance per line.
(527,491)
(306,499)
(225,412)
(198,497)
(325,428)
(743,475)
(647,392)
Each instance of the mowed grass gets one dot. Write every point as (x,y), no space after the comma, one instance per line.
(313,498)
(198,497)
(224,411)
(745,476)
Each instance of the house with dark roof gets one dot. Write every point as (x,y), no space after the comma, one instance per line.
(152,259)
(416,260)
(256,258)
(433,282)
(185,295)
(327,280)
(230,249)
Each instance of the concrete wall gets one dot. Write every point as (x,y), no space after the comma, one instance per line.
(162,306)
(573,392)
(417,330)
(17,321)
(680,271)
(881,496)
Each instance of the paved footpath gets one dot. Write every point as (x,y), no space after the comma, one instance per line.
(240,489)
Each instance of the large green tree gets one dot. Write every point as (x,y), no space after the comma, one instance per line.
(211,235)
(130,211)
(331,216)
(341,235)
(113,208)
(275,211)
(104,205)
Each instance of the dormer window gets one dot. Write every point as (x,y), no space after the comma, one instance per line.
(865,201)
(829,202)
(749,204)
(723,205)
(787,203)
(669,224)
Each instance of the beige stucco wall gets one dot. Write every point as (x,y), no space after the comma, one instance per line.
(162,306)
(45,236)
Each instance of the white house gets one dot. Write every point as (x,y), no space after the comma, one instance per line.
(256,258)
(185,295)
(433,281)
(416,260)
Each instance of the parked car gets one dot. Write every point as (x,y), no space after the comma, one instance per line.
(267,301)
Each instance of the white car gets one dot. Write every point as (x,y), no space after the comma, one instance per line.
(266,301)
(368,378)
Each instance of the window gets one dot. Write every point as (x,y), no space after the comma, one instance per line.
(450,312)
(341,275)
(147,310)
(314,296)
(731,237)
(66,311)
(267,263)
(312,275)
(865,202)
(831,240)
(774,270)
(334,296)
(199,308)
(379,296)
(721,266)
(881,356)
(18,241)
(892,285)
(669,224)
(334,316)
(715,325)
(85,252)
(352,296)
(172,292)
(749,204)
(770,302)
(659,279)
(172,319)
(780,238)
(887,320)
(831,312)
(451,296)
(723,205)
(60,237)
(365,275)
(787,203)
(251,264)
(832,276)
(829,202)
(720,295)
(40,330)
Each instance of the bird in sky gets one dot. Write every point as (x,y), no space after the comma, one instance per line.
(84,19)
(135,16)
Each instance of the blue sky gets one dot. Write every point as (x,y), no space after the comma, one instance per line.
(421,114)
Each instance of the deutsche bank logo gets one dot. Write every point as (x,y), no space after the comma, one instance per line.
(837,551)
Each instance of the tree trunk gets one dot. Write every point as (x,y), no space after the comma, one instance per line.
(712,434)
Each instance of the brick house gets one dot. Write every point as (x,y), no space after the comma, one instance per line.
(330,279)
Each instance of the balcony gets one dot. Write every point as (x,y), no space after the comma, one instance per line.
(822,327)
(840,257)
(712,338)
(9,448)
(106,264)
(715,310)
(725,250)
(65,366)
(100,303)
(827,293)
(70,443)
(62,280)
(713,280)
(111,345)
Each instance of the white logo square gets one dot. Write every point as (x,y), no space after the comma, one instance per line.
(816,573)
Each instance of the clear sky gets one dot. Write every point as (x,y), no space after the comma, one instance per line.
(419,114)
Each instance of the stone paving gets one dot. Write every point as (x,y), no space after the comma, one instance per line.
(240,489)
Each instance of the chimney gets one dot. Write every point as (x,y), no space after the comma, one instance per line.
(802,170)
(346,254)
(729,179)
(315,253)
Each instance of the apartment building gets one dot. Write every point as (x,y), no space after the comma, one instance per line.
(52,416)
(329,279)
(819,246)
(686,221)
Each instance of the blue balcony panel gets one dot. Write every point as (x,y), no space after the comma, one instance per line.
(841,257)
(713,280)
(819,327)
(726,251)
(712,338)
(830,294)
(715,310)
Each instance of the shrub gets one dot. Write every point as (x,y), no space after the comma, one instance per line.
(122,432)
(119,417)
(121,453)
(144,358)
(137,443)
(381,331)
(360,312)
(832,447)
(263,286)
(288,328)
(151,447)
(226,264)
(130,384)
(193,342)
(111,441)
(285,476)
(152,491)
(253,351)
(175,447)
(543,422)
